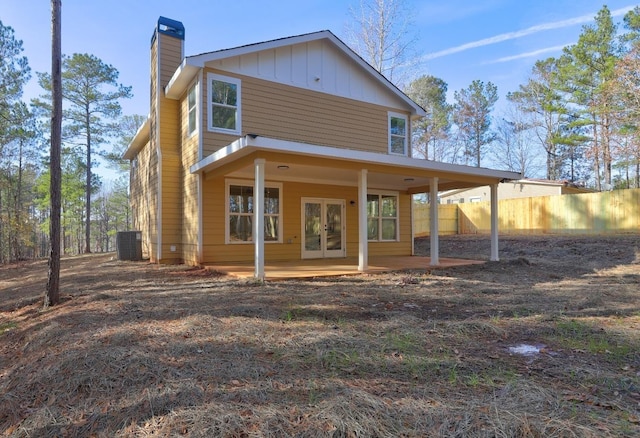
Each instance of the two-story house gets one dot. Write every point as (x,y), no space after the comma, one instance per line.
(282,150)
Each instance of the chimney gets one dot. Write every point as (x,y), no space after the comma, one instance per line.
(167,53)
(167,44)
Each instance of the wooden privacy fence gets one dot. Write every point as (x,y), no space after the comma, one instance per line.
(447,219)
(587,213)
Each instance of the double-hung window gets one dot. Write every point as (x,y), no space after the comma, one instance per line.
(240,211)
(224,96)
(398,134)
(382,217)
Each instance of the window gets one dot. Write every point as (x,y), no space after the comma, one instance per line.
(398,134)
(382,217)
(192,110)
(224,104)
(240,212)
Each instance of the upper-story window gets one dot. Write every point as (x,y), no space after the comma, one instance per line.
(224,104)
(398,134)
(192,110)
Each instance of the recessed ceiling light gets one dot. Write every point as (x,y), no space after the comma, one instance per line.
(283,167)
(409,179)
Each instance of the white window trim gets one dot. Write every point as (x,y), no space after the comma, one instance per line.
(196,109)
(397,218)
(238,83)
(406,133)
(227,213)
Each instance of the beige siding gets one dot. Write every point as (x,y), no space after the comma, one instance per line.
(189,155)
(274,110)
(214,217)
(144,197)
(165,165)
(171,56)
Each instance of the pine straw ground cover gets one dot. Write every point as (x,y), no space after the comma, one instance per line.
(142,350)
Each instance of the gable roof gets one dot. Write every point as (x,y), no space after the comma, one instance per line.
(190,65)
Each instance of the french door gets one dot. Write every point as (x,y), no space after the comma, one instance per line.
(323,228)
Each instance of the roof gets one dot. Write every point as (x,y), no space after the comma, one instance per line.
(190,65)
(138,141)
(572,187)
(393,172)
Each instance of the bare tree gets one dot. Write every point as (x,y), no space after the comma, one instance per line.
(381,34)
(514,147)
(52,296)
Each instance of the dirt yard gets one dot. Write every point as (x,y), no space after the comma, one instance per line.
(544,343)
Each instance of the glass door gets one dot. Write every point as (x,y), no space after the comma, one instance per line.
(323,228)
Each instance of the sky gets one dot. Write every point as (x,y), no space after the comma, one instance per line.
(456,40)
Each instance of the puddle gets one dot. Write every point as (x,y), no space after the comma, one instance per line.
(526,349)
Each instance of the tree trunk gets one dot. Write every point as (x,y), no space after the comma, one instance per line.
(596,154)
(18,207)
(638,171)
(87,227)
(606,150)
(2,256)
(52,296)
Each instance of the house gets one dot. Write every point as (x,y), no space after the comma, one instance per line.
(522,188)
(281,150)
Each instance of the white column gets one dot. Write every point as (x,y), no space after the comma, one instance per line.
(433,218)
(494,223)
(413,226)
(258,217)
(363,248)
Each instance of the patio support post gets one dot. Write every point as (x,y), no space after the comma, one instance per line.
(363,249)
(258,217)
(494,223)
(433,219)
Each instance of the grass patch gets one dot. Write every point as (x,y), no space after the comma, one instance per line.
(6,326)
(585,337)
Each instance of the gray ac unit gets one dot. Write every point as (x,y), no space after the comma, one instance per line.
(129,245)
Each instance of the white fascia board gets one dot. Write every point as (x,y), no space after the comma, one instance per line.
(549,183)
(417,110)
(257,47)
(223,156)
(138,141)
(181,79)
(245,145)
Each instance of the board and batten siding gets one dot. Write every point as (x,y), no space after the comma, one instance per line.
(214,220)
(271,109)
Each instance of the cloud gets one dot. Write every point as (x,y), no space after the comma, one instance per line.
(528,54)
(521,33)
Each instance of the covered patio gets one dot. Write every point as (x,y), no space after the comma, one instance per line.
(293,269)
(258,158)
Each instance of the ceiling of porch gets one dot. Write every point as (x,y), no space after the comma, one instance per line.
(297,162)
